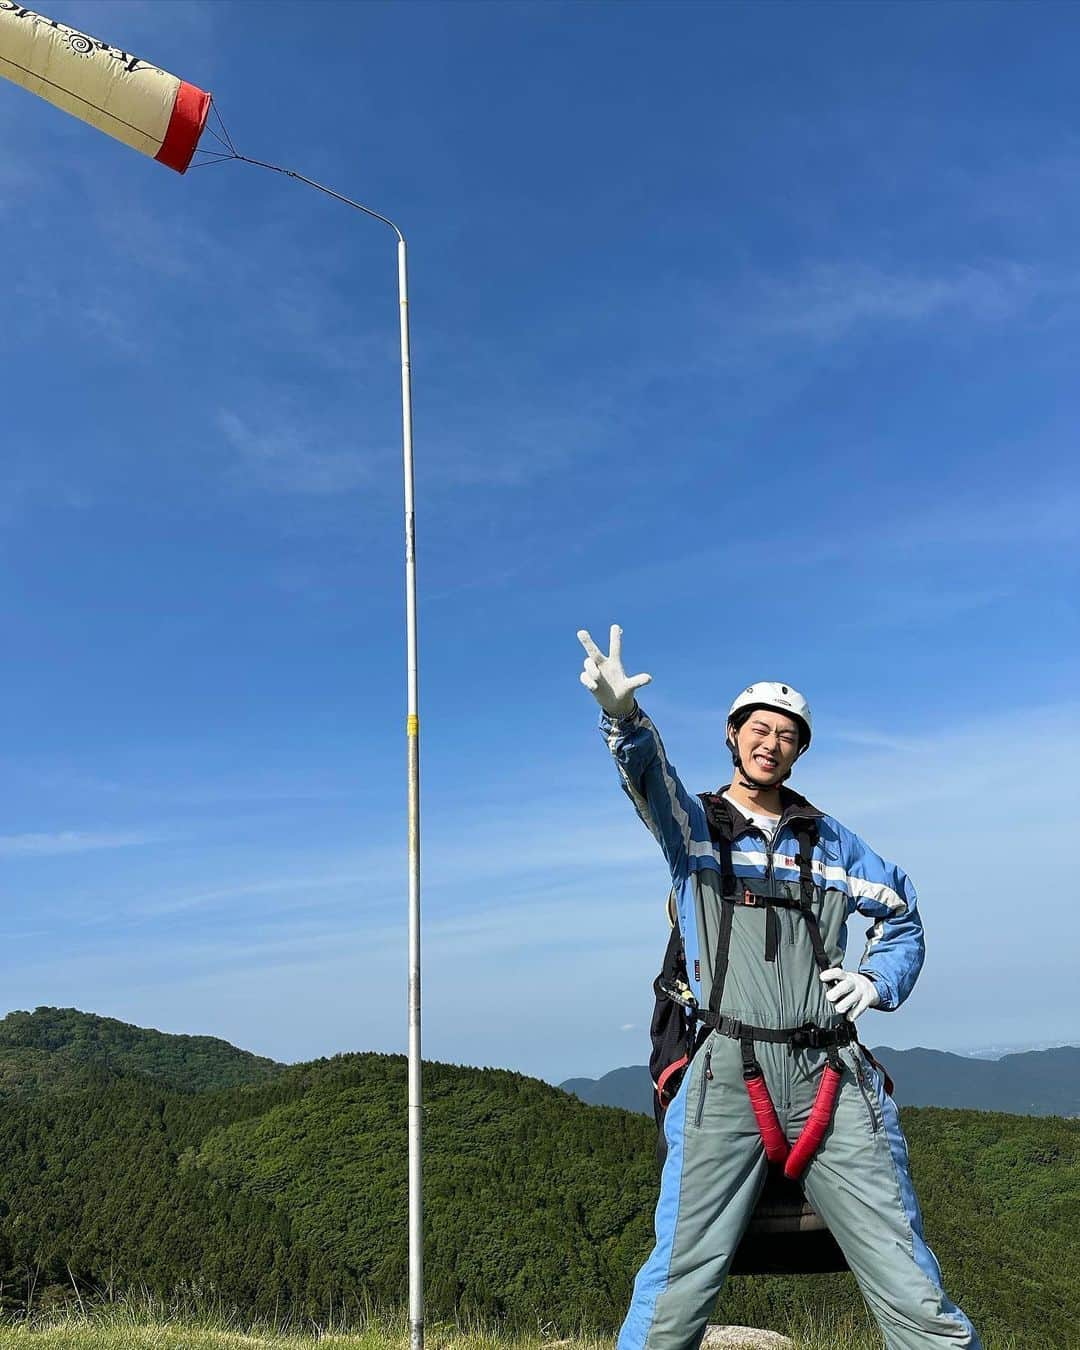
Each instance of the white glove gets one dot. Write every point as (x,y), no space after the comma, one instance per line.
(852,992)
(605,678)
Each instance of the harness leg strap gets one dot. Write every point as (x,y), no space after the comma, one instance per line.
(820,1115)
(772,1136)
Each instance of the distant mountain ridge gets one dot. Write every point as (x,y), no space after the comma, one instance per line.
(64,1049)
(629,1088)
(1029,1083)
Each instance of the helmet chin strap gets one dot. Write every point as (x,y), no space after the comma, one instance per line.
(746,781)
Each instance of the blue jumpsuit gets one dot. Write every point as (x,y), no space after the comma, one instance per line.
(859,1180)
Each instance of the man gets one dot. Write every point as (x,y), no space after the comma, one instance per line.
(764,886)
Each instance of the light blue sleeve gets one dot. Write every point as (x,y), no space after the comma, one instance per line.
(895,947)
(674,816)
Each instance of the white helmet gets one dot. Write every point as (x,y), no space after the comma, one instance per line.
(769,694)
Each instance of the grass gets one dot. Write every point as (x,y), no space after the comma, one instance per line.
(145,1324)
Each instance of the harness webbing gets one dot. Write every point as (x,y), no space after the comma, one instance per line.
(807,1037)
(723,953)
(777,1149)
(803,905)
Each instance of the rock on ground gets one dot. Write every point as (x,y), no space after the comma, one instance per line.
(744,1338)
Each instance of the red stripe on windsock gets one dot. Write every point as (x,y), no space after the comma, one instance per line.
(185,127)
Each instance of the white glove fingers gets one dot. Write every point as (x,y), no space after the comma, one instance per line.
(851,993)
(604,676)
(590,646)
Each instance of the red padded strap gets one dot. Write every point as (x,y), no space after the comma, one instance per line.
(814,1130)
(772,1136)
(671,1068)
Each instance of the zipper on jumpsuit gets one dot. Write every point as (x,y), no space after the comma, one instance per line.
(864,1087)
(706,1079)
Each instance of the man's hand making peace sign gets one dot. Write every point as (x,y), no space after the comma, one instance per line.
(605,678)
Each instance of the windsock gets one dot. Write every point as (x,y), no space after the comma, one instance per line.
(146,108)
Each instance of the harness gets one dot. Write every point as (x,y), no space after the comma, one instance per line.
(696,1023)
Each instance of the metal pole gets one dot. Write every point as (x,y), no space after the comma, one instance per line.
(412,737)
(416,1109)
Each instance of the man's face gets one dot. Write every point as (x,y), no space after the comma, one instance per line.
(768,745)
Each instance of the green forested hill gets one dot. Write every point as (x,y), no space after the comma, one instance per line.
(53,1047)
(290,1194)
(1002,1201)
(534,1211)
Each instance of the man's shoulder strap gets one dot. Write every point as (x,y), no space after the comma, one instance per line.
(721,829)
(718,817)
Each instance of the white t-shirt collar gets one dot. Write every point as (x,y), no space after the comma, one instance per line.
(759,819)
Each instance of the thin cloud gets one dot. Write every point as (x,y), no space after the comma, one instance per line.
(283,459)
(222,896)
(1004,190)
(551,848)
(1039,522)
(910,607)
(72,841)
(831,300)
(507,447)
(870,738)
(992,759)
(1046,519)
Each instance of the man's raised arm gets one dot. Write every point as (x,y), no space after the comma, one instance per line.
(675,817)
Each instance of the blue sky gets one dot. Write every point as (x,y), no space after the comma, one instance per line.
(753,328)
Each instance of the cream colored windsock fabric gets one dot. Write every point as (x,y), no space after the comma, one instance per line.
(118,93)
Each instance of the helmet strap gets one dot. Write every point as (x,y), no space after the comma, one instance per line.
(745,781)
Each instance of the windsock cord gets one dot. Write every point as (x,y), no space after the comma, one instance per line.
(227,152)
(225,139)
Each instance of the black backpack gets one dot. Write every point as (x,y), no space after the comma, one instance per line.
(674,1029)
